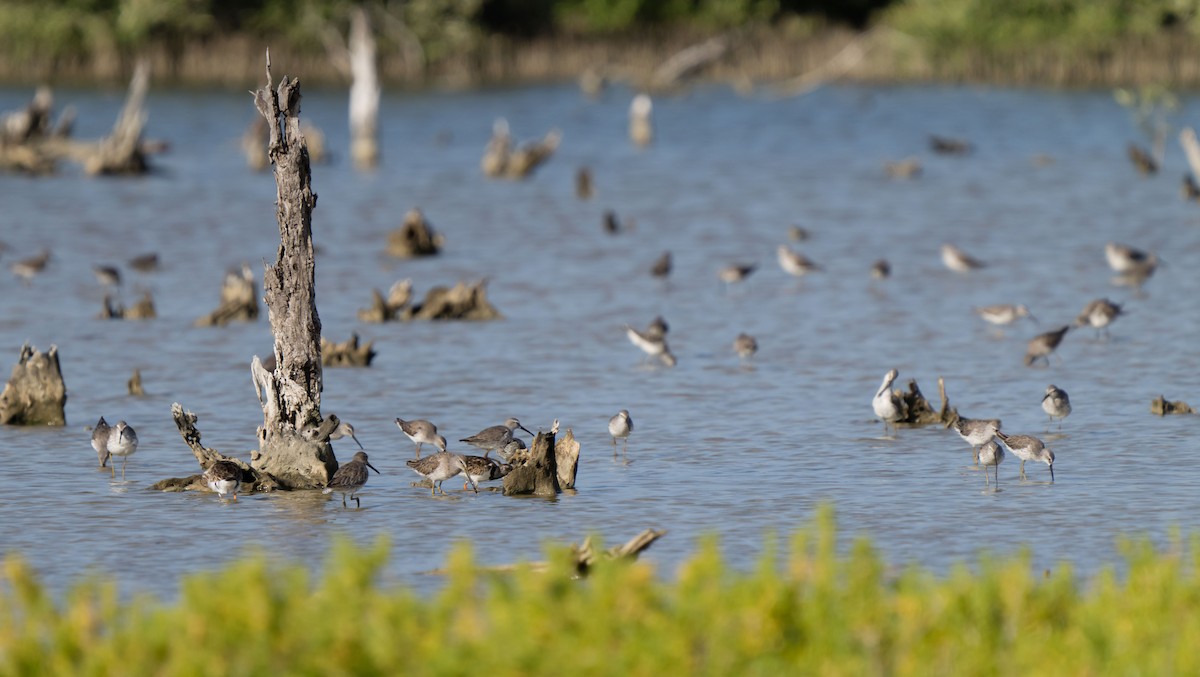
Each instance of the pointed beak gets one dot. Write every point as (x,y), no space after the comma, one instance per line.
(360,446)
(526,430)
(1052,472)
(372,467)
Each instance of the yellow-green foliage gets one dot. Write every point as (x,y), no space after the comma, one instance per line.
(812,612)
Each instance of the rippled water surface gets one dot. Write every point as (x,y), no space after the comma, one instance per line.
(719,447)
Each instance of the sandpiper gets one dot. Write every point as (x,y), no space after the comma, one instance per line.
(641,128)
(1056,403)
(350,478)
(482,469)
(1028,448)
(794,263)
(654,346)
(976,431)
(658,327)
(144,263)
(1040,346)
(797,233)
(122,441)
(224,477)
(100,441)
(29,268)
(1099,314)
(745,346)
(662,265)
(438,468)
(886,403)
(958,260)
(108,276)
(495,437)
(737,272)
(620,426)
(1131,263)
(946,145)
(421,432)
(991,454)
(1003,313)
(881,269)
(344,429)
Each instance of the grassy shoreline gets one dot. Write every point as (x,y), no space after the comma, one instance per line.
(758,57)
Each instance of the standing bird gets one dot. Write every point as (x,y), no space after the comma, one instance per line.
(144,263)
(976,431)
(641,128)
(1056,404)
(100,441)
(735,273)
(794,263)
(495,437)
(29,268)
(122,441)
(745,346)
(438,468)
(620,426)
(958,260)
(344,429)
(881,269)
(224,477)
(108,276)
(1028,448)
(1099,314)
(421,432)
(478,469)
(1130,264)
(662,265)
(1042,345)
(1003,313)
(350,478)
(887,404)
(652,343)
(992,454)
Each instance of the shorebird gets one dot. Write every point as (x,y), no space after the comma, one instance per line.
(992,454)
(109,276)
(641,128)
(1099,314)
(620,426)
(1042,345)
(662,265)
(1130,263)
(350,478)
(583,184)
(881,269)
(482,469)
(976,431)
(29,268)
(495,437)
(958,260)
(421,432)
(224,477)
(886,403)
(144,263)
(1028,448)
(658,327)
(122,441)
(797,233)
(736,273)
(945,145)
(100,441)
(344,429)
(1003,313)
(745,346)
(438,468)
(652,345)
(794,263)
(1056,403)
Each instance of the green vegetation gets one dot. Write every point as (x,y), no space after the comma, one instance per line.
(811,612)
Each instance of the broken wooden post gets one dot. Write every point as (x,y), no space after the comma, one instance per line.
(239,300)
(1161,406)
(566,460)
(35,393)
(461,302)
(538,473)
(389,309)
(415,237)
(364,92)
(920,412)
(348,353)
(121,151)
(252,480)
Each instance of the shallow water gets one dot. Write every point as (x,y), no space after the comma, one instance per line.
(739,450)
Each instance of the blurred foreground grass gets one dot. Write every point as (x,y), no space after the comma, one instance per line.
(808,612)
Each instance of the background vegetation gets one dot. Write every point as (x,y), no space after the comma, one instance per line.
(952,37)
(811,612)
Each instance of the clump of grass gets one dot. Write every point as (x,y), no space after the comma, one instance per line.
(811,611)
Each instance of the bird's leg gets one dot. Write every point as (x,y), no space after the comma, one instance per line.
(357,503)
(343,500)
(625,447)
(987,479)
(1022,468)
(123,462)
(418,450)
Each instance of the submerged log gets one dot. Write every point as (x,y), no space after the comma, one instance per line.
(35,393)
(239,300)
(461,302)
(1160,406)
(415,237)
(547,468)
(389,309)
(918,411)
(688,61)
(142,310)
(348,353)
(586,556)
(501,161)
(252,480)
(135,384)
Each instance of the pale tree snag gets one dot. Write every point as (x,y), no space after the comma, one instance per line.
(364,93)
(291,394)
(35,393)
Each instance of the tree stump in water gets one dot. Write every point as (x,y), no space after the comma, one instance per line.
(919,411)
(546,469)
(142,310)
(462,302)
(252,480)
(1161,406)
(239,300)
(566,460)
(347,354)
(35,393)
(415,237)
(391,308)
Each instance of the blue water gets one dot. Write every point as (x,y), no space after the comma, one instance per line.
(739,450)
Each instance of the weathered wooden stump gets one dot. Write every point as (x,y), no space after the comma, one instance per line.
(1161,406)
(461,302)
(501,161)
(545,469)
(252,480)
(135,384)
(348,353)
(239,300)
(918,410)
(415,237)
(142,310)
(35,393)
(390,308)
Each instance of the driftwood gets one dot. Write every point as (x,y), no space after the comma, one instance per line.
(35,393)
(688,62)
(501,161)
(1161,406)
(461,302)
(348,353)
(142,310)
(918,410)
(239,300)
(252,480)
(415,237)
(390,308)
(546,469)
(135,384)
(585,555)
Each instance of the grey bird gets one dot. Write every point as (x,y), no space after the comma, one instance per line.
(224,477)
(421,432)
(1056,403)
(1028,448)
(495,437)
(482,469)
(1040,346)
(620,426)
(438,468)
(350,478)
(100,441)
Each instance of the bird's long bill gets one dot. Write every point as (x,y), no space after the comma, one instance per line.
(372,467)
(1033,318)
(360,446)
(1051,472)
(526,430)
(1045,396)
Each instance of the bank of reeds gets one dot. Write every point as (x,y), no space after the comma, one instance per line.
(811,611)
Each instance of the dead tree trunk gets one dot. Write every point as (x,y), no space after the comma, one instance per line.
(121,151)
(547,468)
(35,393)
(291,394)
(252,480)
(364,93)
